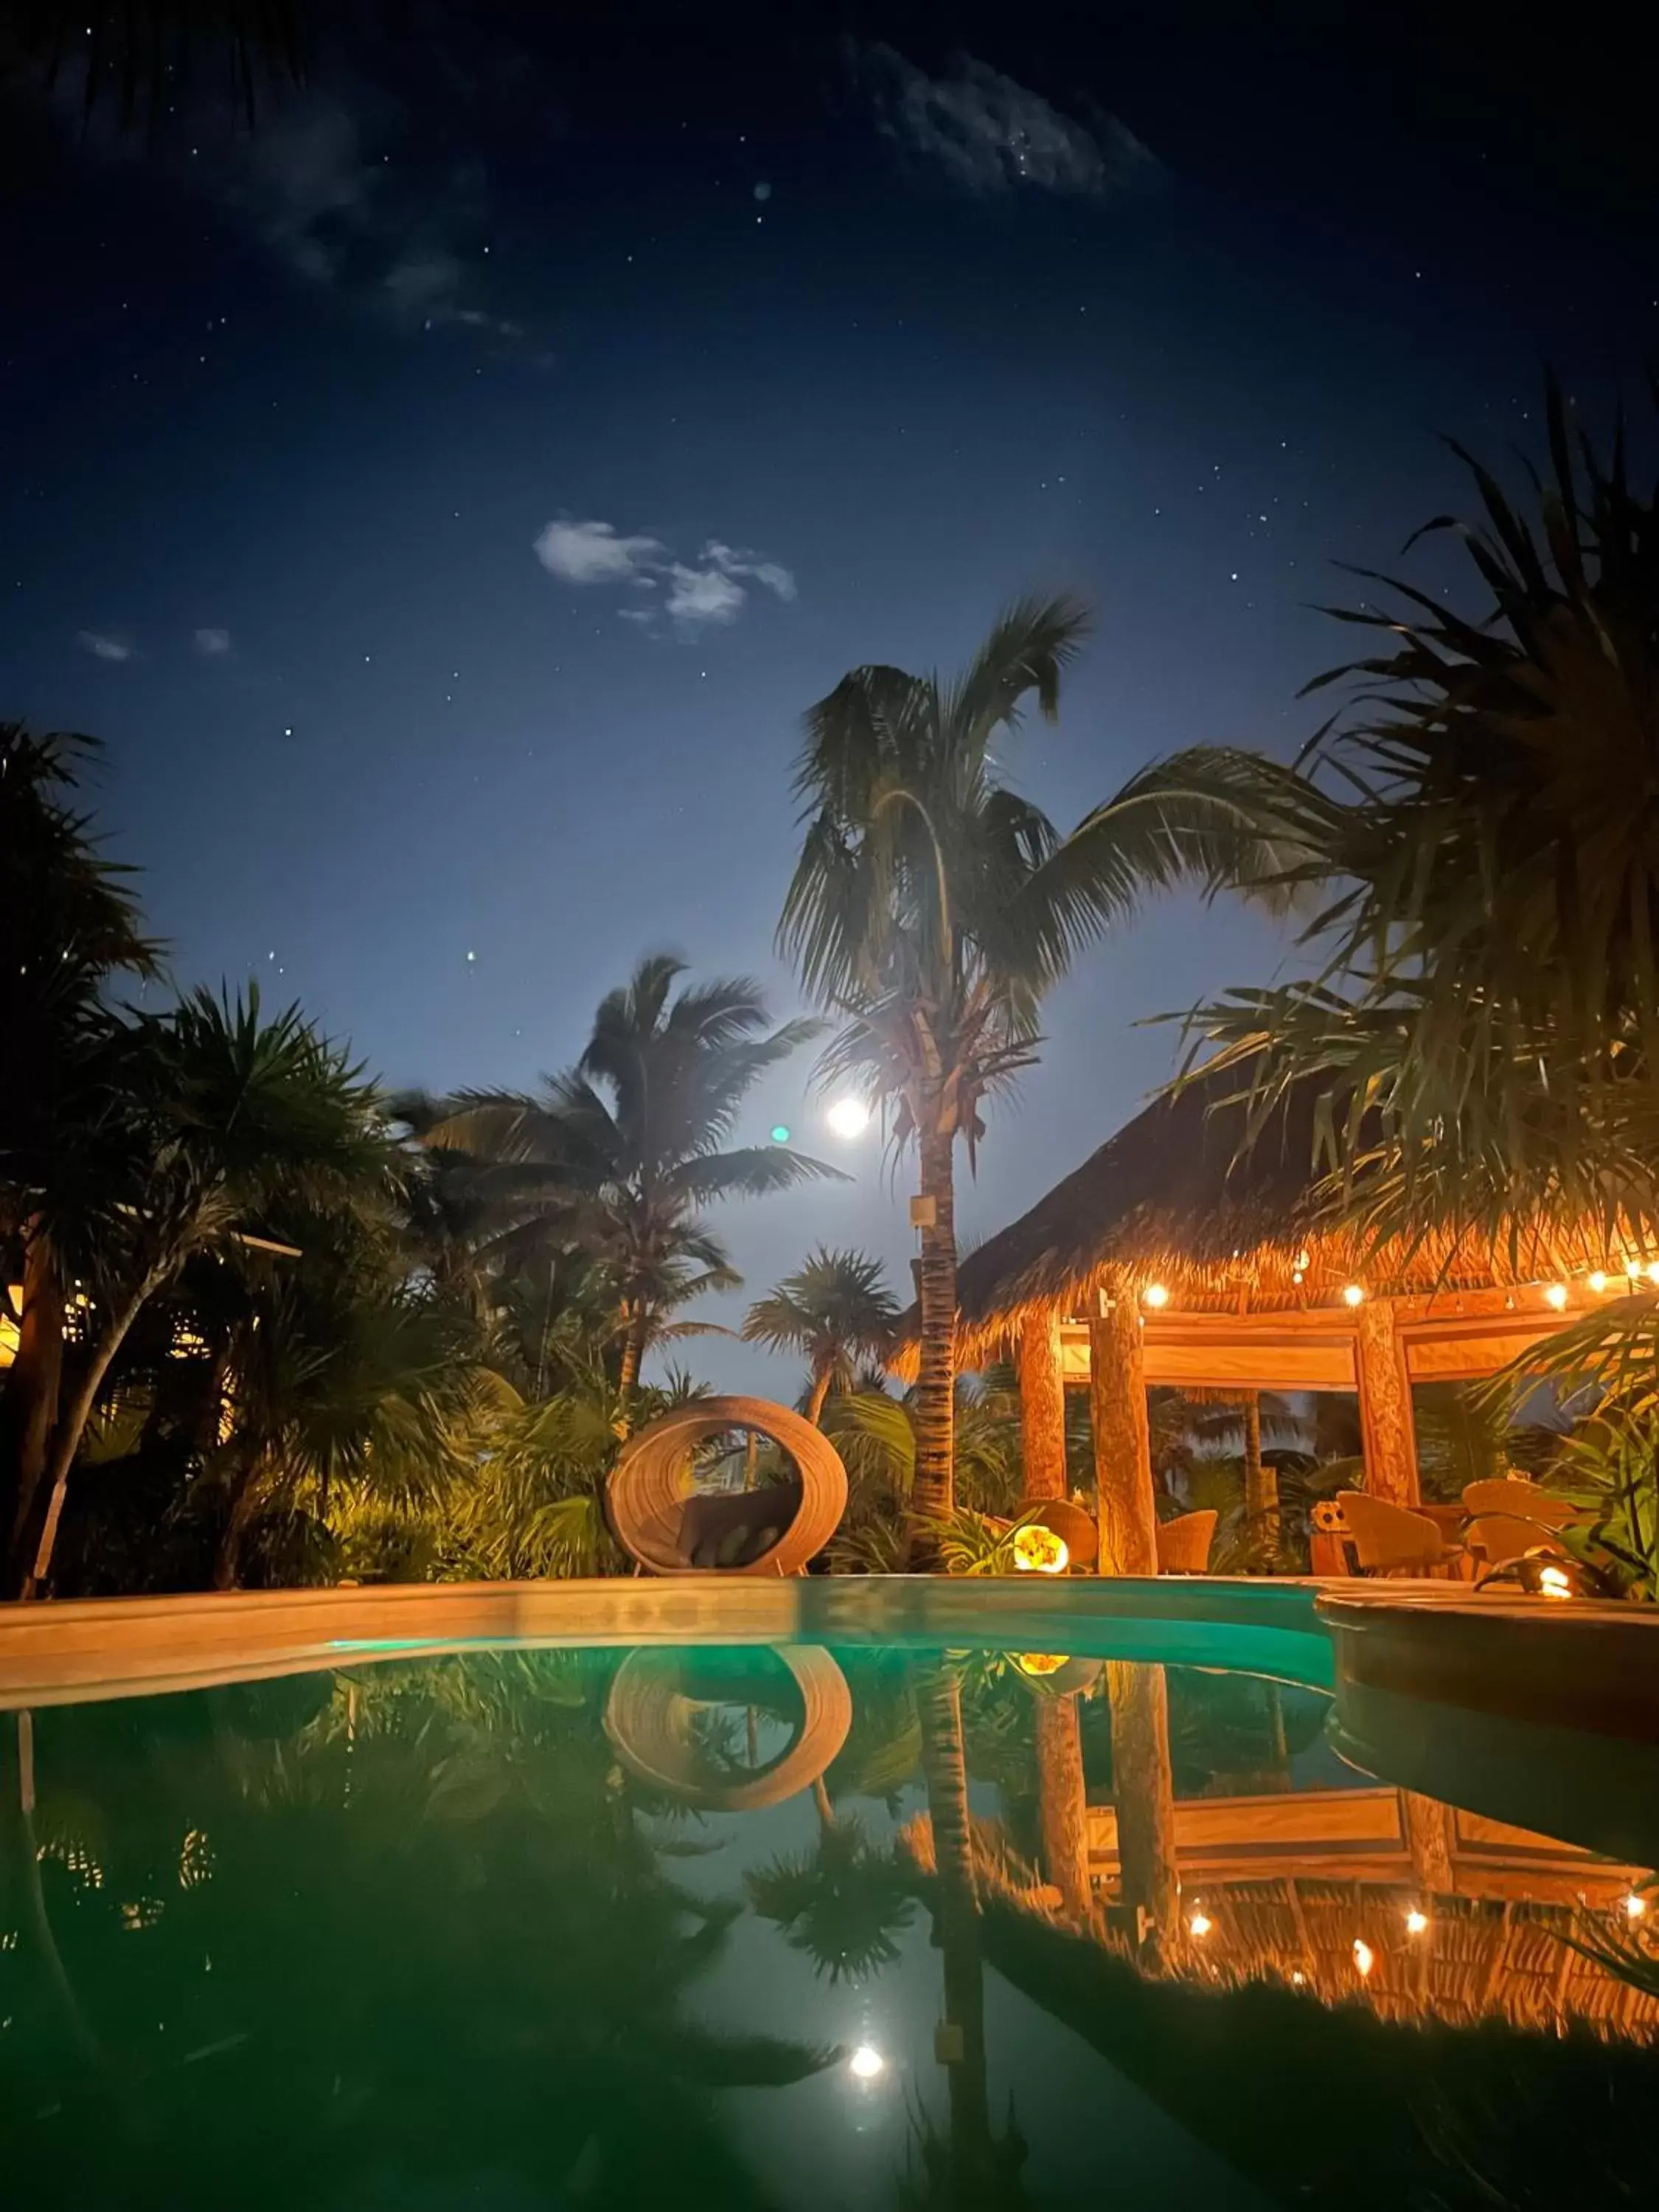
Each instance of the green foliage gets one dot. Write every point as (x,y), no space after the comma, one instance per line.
(1484,1010)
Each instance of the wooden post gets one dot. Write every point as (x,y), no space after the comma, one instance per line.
(1042,1403)
(1385,1407)
(1143,1792)
(1123,1444)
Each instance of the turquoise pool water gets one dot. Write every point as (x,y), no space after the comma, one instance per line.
(814,1927)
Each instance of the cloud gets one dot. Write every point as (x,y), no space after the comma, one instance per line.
(103,647)
(731,562)
(406,237)
(211,643)
(703,595)
(711,591)
(594,553)
(991,134)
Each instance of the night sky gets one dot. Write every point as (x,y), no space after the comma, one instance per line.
(445,500)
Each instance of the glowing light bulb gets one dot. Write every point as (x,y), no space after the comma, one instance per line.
(1653,1270)
(1364,1957)
(1354,1295)
(1416,1922)
(1633,1269)
(1553,1582)
(1304,1258)
(848,1117)
(1156,1295)
(1635,1906)
(1598,1282)
(1298,1978)
(867,2064)
(1201,1924)
(1556,1296)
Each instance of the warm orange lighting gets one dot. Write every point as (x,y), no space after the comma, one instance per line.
(1038,1550)
(1635,1906)
(1298,1978)
(1201,1924)
(1156,1295)
(1304,1258)
(1553,1582)
(1556,1296)
(1653,1270)
(1354,1295)
(1416,1922)
(1039,1663)
(1633,1269)
(1364,1957)
(1598,1282)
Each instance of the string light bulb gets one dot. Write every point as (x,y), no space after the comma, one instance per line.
(1364,1957)
(1636,1906)
(1598,1282)
(1633,1269)
(1201,1924)
(1354,1295)
(1156,1294)
(1556,1296)
(1417,1921)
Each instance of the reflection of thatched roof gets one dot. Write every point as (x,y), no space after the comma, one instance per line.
(1176,1196)
(1479,1958)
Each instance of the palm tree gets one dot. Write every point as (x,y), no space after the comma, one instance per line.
(844,1904)
(213,1116)
(1484,1014)
(617,1157)
(931,908)
(835,1310)
(72,930)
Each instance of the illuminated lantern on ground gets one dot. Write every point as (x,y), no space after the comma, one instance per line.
(1038,1550)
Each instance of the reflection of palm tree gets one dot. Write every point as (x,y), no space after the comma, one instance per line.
(1143,1790)
(843,1903)
(1063,1802)
(978,2168)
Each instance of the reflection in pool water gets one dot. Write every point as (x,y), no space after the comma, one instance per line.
(795,1928)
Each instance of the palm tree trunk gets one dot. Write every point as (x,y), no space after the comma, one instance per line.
(1062,1802)
(1260,1482)
(955,1929)
(71,1427)
(1042,1405)
(934,1492)
(633,1354)
(820,1392)
(28,1411)
(227,1561)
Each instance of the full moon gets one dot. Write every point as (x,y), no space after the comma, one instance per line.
(849,1117)
(867,2063)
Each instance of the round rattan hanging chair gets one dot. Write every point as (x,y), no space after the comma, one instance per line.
(648,1718)
(668,1528)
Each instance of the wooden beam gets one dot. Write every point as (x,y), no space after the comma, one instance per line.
(1042,1405)
(1123,1446)
(1385,1407)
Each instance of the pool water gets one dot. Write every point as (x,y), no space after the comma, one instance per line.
(799,1927)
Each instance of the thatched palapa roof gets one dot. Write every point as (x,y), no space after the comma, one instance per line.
(1177,1196)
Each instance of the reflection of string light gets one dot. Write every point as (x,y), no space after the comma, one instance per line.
(1598,1282)
(1556,1296)
(1039,1663)
(1416,1922)
(867,2064)
(1364,1957)
(1298,1978)
(1553,1582)
(1635,1906)
(1201,1924)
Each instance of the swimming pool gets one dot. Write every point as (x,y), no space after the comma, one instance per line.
(892,1919)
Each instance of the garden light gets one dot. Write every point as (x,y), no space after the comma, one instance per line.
(1038,1550)
(1553,1582)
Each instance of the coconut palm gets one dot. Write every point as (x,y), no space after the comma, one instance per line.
(213,1116)
(835,1310)
(617,1157)
(1484,1010)
(931,908)
(845,1903)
